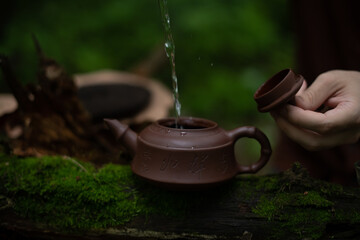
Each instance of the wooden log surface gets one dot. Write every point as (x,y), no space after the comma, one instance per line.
(289,205)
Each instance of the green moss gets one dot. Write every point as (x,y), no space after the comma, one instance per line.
(352,216)
(64,193)
(268,183)
(297,178)
(270,207)
(303,214)
(285,199)
(305,199)
(306,223)
(330,189)
(70,194)
(266,208)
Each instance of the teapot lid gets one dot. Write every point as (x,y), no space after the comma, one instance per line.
(279,89)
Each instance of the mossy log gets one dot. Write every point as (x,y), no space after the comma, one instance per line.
(62,198)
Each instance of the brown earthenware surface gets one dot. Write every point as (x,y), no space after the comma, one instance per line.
(278,90)
(196,157)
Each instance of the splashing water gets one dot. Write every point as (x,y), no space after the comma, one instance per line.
(170,53)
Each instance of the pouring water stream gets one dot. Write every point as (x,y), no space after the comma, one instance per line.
(170,53)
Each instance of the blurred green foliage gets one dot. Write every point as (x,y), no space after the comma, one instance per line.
(224,49)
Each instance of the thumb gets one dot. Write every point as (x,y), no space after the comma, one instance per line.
(315,95)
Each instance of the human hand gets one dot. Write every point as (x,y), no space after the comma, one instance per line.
(339,92)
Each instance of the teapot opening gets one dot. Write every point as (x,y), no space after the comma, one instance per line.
(188,123)
(271,83)
(185,126)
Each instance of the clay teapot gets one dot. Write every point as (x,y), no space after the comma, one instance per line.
(197,156)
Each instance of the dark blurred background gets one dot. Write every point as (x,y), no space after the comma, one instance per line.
(224,49)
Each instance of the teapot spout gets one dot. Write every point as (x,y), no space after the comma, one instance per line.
(123,133)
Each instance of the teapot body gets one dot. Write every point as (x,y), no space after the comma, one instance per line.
(188,154)
(201,154)
(195,155)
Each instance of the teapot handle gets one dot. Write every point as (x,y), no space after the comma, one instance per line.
(252,132)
